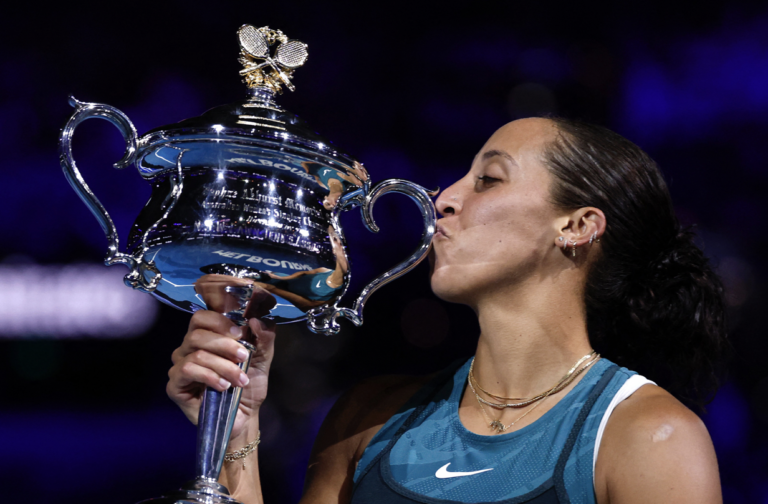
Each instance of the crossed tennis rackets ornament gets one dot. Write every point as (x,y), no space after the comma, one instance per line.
(262,69)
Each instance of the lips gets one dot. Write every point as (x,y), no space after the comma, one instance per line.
(440,231)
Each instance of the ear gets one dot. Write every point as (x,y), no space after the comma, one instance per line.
(582,227)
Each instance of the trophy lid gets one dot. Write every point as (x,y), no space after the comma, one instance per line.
(269,59)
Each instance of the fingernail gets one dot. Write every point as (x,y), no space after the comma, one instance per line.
(224,383)
(236,331)
(244,379)
(242,354)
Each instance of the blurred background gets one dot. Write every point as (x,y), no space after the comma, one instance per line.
(413,91)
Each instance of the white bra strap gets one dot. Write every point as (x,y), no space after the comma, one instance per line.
(630,387)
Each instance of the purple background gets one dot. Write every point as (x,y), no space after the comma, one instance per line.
(413,93)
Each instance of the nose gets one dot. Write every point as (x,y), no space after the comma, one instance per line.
(448,203)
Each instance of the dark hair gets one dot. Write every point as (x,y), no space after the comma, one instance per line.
(653,302)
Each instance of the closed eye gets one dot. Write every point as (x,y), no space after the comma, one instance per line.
(485,180)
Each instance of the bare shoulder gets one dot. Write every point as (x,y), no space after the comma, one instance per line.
(350,425)
(654,449)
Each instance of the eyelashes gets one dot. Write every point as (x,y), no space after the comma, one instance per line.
(486,180)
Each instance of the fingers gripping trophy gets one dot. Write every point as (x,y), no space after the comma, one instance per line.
(246,198)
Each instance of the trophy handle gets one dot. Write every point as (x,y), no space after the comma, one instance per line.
(136,278)
(323,320)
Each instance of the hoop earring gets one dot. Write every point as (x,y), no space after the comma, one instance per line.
(593,237)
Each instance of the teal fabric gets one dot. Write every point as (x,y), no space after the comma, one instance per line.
(521,460)
(312,286)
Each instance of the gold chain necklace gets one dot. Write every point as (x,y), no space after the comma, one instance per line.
(502,398)
(497,425)
(566,380)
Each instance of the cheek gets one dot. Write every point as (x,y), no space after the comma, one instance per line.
(493,226)
(506,233)
(526,210)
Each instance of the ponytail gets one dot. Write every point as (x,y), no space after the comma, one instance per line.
(653,302)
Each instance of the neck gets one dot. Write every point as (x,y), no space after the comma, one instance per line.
(529,339)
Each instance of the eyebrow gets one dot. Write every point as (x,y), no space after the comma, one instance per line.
(494,152)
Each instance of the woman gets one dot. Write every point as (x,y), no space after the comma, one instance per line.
(334,180)
(561,236)
(310,288)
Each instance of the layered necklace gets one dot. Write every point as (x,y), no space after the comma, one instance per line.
(519,402)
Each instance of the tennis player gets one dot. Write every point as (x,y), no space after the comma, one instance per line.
(563,240)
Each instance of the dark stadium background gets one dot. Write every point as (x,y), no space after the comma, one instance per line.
(412,90)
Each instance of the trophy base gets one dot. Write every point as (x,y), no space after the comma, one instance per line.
(197,491)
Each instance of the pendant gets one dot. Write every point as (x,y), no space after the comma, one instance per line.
(497,426)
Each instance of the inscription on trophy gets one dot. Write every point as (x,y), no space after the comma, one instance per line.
(264,210)
(268,261)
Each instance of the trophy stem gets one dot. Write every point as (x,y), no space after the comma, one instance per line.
(214,427)
(263,97)
(217,416)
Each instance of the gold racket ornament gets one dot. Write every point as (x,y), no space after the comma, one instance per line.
(262,70)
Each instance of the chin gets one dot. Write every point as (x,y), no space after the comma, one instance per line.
(446,287)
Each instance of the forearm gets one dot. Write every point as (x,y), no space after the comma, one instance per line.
(241,477)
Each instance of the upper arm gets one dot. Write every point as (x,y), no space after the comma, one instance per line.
(655,450)
(355,418)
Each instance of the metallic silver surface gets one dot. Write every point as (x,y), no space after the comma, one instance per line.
(215,421)
(143,275)
(197,491)
(246,190)
(323,319)
(246,195)
(218,411)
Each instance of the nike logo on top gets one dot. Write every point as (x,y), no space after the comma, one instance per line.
(444,473)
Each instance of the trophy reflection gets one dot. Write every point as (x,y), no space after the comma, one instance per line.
(310,289)
(246,195)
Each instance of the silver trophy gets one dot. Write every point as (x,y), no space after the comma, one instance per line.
(245,191)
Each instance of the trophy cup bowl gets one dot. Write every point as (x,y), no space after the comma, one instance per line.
(244,191)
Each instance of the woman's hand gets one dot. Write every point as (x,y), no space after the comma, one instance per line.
(210,354)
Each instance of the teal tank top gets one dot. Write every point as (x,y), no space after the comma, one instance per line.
(311,286)
(418,452)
